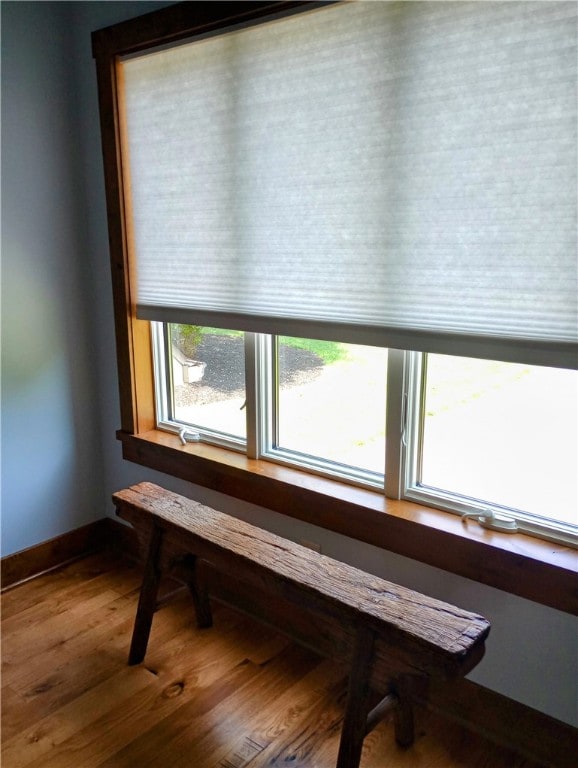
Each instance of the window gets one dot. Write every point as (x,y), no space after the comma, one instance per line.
(491,440)
(321,404)
(337,410)
(497,441)
(201,381)
(386,176)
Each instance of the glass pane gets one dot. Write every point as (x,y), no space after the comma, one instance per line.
(209,378)
(502,433)
(332,401)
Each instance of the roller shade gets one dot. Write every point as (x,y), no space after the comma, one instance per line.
(401,174)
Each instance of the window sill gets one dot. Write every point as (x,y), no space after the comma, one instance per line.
(522,565)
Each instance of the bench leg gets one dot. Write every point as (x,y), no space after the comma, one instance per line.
(188,569)
(199,593)
(403,723)
(147,600)
(357,707)
(403,715)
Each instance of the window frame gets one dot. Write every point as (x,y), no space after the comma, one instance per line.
(407,371)
(521,565)
(262,403)
(457,503)
(164,406)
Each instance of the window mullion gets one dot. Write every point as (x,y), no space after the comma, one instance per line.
(162,372)
(258,376)
(252,388)
(273,393)
(412,444)
(396,365)
(404,399)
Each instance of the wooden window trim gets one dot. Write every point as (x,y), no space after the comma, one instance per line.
(521,565)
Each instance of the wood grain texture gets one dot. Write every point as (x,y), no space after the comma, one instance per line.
(501,720)
(521,565)
(415,633)
(53,553)
(147,600)
(237,696)
(133,343)
(355,721)
(424,634)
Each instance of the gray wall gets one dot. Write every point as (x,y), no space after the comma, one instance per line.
(51,461)
(56,306)
(61,460)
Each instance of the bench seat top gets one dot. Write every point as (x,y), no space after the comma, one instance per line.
(320,583)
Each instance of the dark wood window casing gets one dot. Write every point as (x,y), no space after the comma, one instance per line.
(537,570)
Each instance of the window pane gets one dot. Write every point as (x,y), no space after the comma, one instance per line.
(209,378)
(502,433)
(332,401)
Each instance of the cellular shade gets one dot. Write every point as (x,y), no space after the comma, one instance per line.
(402,174)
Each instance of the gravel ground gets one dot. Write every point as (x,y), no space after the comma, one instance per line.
(225,372)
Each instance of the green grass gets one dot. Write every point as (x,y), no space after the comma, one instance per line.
(222,332)
(328,351)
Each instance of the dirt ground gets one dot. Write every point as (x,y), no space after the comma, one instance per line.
(225,372)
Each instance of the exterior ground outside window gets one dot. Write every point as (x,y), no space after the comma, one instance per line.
(478,435)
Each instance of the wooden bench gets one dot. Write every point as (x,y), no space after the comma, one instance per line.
(388,636)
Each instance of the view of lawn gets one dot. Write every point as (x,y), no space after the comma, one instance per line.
(328,351)
(455,381)
(489,427)
(503,433)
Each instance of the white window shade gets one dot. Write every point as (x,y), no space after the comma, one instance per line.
(401,174)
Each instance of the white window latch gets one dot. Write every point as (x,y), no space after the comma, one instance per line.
(185,436)
(487,518)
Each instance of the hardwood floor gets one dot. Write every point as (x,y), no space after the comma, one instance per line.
(232,696)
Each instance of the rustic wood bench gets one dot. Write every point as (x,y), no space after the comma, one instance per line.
(386,635)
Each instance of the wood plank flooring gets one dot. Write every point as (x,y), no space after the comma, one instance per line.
(234,696)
